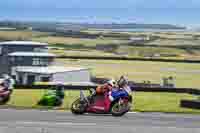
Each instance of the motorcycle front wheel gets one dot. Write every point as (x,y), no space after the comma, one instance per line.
(78,106)
(119,109)
(4,100)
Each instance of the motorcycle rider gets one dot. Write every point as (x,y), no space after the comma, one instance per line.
(53,97)
(60,91)
(123,89)
(6,86)
(106,87)
(7,83)
(100,90)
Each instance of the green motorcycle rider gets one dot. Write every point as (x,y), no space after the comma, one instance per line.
(53,97)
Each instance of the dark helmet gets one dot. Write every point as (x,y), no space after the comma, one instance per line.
(59,87)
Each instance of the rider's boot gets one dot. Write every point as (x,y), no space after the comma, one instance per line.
(92,95)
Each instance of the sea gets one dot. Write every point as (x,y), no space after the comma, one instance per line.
(181,17)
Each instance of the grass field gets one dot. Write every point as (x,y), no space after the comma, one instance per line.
(162,34)
(186,75)
(163,40)
(20,35)
(160,51)
(144,102)
(170,42)
(74,41)
(89,53)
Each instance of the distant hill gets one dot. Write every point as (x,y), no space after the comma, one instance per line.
(131,26)
(78,26)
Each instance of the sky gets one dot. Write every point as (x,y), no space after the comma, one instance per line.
(180,12)
(188,4)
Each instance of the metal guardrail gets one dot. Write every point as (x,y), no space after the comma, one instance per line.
(194,104)
(129,59)
(170,90)
(66,87)
(140,89)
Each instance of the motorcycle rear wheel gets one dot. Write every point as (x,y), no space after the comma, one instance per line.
(78,107)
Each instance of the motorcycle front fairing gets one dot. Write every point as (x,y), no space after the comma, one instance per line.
(99,104)
(5,97)
(4,93)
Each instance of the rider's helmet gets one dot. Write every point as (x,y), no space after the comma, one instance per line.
(59,87)
(6,81)
(122,81)
(6,76)
(111,82)
(60,91)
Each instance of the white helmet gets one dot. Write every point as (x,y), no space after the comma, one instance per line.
(111,82)
(6,76)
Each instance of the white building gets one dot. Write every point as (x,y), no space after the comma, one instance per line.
(30,62)
(55,74)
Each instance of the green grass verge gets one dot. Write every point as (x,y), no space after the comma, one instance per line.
(28,98)
(143,101)
(186,74)
(162,102)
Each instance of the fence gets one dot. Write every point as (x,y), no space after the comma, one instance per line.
(130,59)
(139,89)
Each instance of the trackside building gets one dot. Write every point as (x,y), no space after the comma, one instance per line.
(29,62)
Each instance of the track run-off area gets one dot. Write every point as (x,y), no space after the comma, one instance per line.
(35,121)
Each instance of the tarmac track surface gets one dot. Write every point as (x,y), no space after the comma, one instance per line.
(33,121)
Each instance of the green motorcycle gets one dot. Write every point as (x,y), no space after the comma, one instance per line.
(53,97)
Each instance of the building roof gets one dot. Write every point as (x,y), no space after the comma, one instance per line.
(47,70)
(34,54)
(22,43)
(68,83)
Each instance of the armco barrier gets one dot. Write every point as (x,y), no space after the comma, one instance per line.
(170,90)
(142,89)
(67,87)
(190,104)
(129,59)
